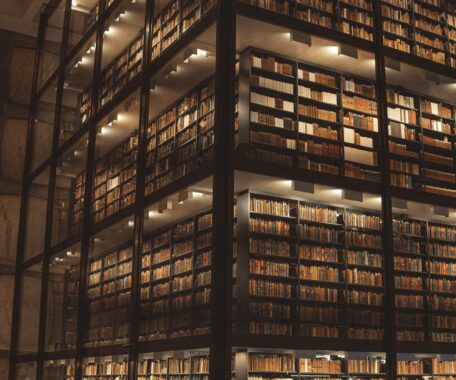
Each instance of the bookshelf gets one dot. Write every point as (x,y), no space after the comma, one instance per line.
(121,70)
(180,139)
(314,270)
(352,17)
(424,263)
(115,179)
(314,366)
(105,369)
(174,21)
(421,139)
(70,307)
(109,296)
(176,279)
(56,370)
(299,115)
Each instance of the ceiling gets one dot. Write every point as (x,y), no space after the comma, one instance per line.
(21,16)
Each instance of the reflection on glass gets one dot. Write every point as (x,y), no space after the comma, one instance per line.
(29,318)
(115,165)
(69,192)
(59,370)
(26,371)
(84,13)
(109,285)
(123,33)
(36,215)
(108,366)
(62,300)
(77,97)
(176,265)
(180,132)
(52,44)
(44,126)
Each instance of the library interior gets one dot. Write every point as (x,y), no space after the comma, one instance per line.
(239,189)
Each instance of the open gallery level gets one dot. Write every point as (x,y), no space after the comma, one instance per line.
(250,190)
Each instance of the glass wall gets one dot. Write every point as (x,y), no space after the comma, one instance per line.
(109,285)
(52,44)
(69,191)
(29,318)
(62,300)
(83,15)
(26,371)
(77,107)
(116,153)
(44,126)
(36,215)
(59,370)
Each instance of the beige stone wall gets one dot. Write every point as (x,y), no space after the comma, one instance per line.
(15,85)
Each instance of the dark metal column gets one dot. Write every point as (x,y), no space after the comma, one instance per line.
(51,193)
(87,213)
(222,256)
(140,184)
(24,205)
(387,212)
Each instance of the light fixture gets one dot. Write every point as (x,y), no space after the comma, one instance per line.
(197,195)
(351,195)
(399,203)
(164,205)
(169,70)
(304,187)
(131,223)
(348,51)
(91,48)
(131,103)
(431,77)
(112,118)
(392,64)
(301,37)
(102,130)
(78,62)
(121,13)
(182,196)
(441,211)
(69,253)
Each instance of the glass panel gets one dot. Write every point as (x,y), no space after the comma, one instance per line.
(313,364)
(26,371)
(59,370)
(421,129)
(62,300)
(84,13)
(122,48)
(69,191)
(107,366)
(180,133)
(424,271)
(313,258)
(173,19)
(44,126)
(77,106)
(52,44)
(109,285)
(176,264)
(306,103)
(36,215)
(192,364)
(29,318)
(115,155)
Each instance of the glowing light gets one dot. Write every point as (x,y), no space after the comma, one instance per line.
(131,223)
(201,53)
(332,49)
(197,195)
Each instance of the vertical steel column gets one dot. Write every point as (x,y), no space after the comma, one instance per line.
(223,187)
(24,204)
(387,211)
(87,213)
(51,192)
(139,193)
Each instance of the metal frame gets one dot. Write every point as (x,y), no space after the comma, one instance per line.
(222,339)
